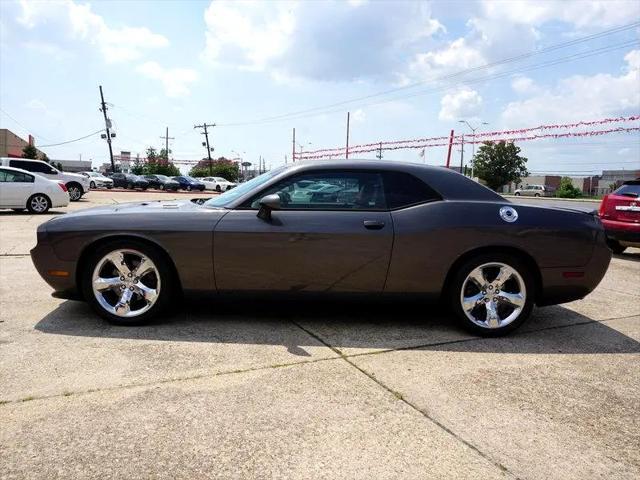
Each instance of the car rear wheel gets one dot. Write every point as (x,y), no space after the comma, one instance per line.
(75,191)
(492,294)
(517,194)
(218,189)
(537,195)
(161,186)
(92,185)
(38,203)
(616,247)
(188,188)
(127,282)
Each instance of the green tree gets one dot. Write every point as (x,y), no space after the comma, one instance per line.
(45,158)
(155,164)
(567,190)
(499,164)
(222,167)
(29,151)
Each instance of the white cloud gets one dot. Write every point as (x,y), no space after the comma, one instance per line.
(80,22)
(581,97)
(358,116)
(463,104)
(523,85)
(592,13)
(316,40)
(174,80)
(457,55)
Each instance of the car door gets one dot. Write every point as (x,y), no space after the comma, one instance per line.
(334,243)
(15,188)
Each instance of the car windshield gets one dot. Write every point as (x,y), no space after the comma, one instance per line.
(162,177)
(230,195)
(631,189)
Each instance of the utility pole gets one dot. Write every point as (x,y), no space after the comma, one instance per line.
(379,154)
(206,136)
(166,141)
(449,151)
(462,154)
(107,124)
(293,148)
(347,150)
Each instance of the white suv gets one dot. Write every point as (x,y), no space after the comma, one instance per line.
(77,185)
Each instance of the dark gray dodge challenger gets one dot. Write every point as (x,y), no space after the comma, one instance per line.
(340,227)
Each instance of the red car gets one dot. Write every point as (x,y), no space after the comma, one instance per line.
(620,215)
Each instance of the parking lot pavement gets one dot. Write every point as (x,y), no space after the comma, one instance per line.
(313,391)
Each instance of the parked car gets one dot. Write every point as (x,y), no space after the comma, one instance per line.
(162,182)
(411,230)
(534,191)
(620,215)
(129,180)
(77,185)
(188,183)
(218,184)
(97,180)
(20,189)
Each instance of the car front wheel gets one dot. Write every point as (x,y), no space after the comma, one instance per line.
(517,194)
(127,282)
(492,294)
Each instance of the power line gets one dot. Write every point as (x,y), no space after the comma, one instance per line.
(74,140)
(553,62)
(516,58)
(25,127)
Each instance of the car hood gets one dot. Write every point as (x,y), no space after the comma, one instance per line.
(138,207)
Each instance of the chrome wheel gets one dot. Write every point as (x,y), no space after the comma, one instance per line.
(39,204)
(126,283)
(493,295)
(74,192)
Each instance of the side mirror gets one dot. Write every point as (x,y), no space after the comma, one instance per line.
(267,204)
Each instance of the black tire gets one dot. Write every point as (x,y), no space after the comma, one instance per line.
(457,282)
(168,290)
(537,195)
(75,191)
(38,203)
(188,188)
(517,194)
(616,247)
(161,186)
(129,186)
(218,189)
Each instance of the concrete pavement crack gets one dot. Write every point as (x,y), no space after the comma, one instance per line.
(413,406)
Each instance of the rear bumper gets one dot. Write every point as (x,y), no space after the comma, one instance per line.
(565,284)
(623,232)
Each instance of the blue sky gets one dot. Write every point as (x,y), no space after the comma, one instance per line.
(175,64)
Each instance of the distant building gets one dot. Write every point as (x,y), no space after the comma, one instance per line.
(11,145)
(74,165)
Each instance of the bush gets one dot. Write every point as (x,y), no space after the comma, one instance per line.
(567,190)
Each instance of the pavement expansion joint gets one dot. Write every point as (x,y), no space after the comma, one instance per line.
(401,398)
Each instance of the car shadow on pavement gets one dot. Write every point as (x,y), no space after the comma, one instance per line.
(26,213)
(347,325)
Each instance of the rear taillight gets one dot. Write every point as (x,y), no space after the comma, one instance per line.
(62,186)
(603,206)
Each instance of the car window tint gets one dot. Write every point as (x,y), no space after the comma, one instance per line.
(629,190)
(15,177)
(328,190)
(402,190)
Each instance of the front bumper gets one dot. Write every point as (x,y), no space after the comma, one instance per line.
(50,267)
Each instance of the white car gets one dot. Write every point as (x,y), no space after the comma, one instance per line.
(20,189)
(218,184)
(97,180)
(77,184)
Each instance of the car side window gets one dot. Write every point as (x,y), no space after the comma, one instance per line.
(403,190)
(7,176)
(327,190)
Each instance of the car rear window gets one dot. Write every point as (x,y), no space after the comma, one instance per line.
(403,190)
(631,189)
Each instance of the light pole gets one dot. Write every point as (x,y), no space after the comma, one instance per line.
(473,144)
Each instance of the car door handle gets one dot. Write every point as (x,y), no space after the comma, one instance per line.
(373,224)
